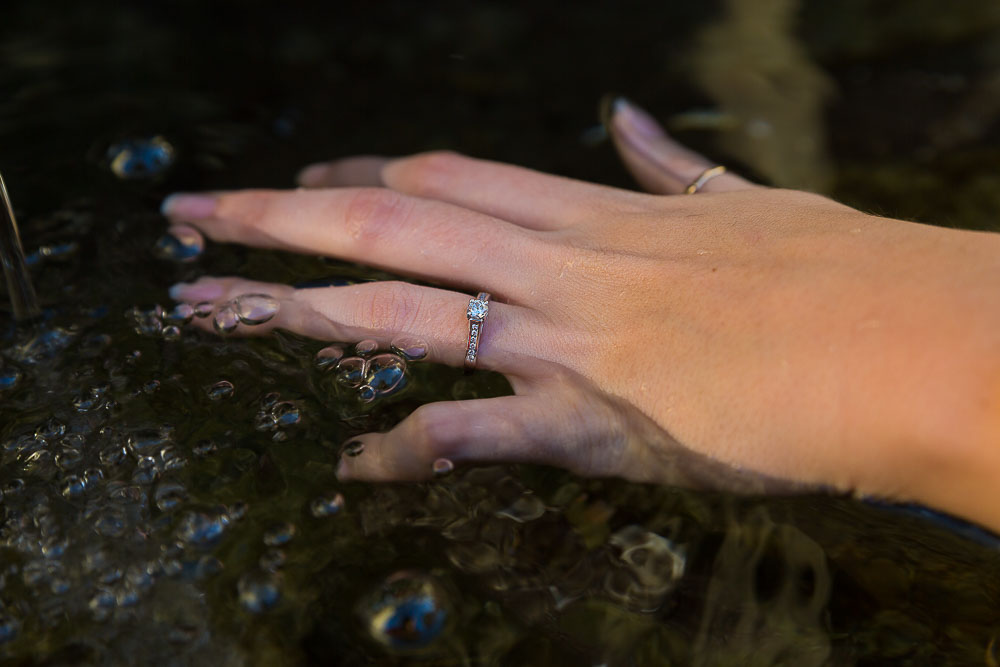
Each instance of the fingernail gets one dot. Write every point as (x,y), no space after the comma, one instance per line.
(188,207)
(195,291)
(629,118)
(312,175)
(353,448)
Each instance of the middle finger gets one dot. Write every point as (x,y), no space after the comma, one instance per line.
(418,237)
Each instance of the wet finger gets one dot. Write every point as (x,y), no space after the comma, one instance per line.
(659,163)
(515,429)
(522,196)
(424,238)
(557,419)
(381,311)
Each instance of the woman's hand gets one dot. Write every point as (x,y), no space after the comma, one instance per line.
(653,337)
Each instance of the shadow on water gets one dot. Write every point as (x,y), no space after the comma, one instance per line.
(169,497)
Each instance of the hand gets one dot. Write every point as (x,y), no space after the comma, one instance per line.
(654,337)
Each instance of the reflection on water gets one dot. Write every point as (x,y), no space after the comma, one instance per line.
(167,495)
(772,95)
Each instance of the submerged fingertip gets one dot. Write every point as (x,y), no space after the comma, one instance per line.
(189,206)
(312,175)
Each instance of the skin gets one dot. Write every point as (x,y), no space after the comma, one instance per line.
(742,337)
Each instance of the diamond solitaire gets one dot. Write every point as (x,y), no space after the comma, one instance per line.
(479,308)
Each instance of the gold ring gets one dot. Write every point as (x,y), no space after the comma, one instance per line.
(479,308)
(704,177)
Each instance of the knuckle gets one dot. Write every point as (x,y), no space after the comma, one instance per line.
(428,173)
(373,213)
(431,431)
(393,307)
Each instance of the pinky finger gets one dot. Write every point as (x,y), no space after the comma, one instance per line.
(514,429)
(560,421)
(660,164)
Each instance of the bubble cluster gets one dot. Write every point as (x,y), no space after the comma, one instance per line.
(371,375)
(154,322)
(277,416)
(140,158)
(247,309)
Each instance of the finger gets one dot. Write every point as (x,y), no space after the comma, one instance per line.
(523,196)
(384,312)
(659,163)
(359,171)
(558,419)
(514,429)
(424,238)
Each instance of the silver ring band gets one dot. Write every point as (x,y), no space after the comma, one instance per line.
(479,308)
(704,177)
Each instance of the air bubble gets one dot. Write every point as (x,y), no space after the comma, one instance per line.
(73,486)
(367,393)
(9,628)
(68,458)
(254,309)
(171,332)
(409,348)
(202,529)
(180,244)
(237,510)
(385,373)
(279,534)
(351,372)
(113,455)
(226,320)
(9,379)
(141,158)
(204,448)
(169,495)
(526,508)
(328,357)
(181,314)
(220,390)
(365,348)
(258,591)
(442,467)
(285,414)
(147,320)
(327,505)
(408,611)
(143,441)
(110,523)
(203,309)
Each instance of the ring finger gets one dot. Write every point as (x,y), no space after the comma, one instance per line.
(385,311)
